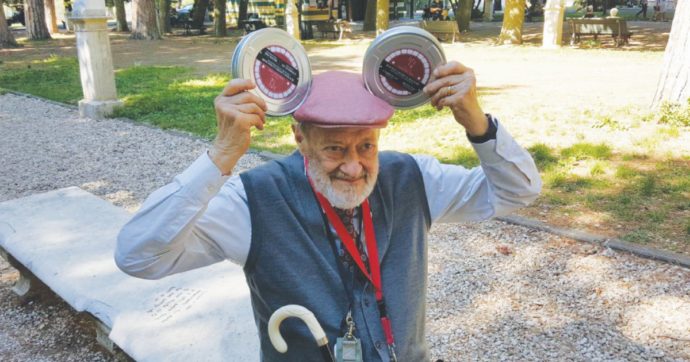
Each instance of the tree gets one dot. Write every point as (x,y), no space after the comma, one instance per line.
(463,13)
(164,16)
(674,82)
(144,25)
(198,14)
(488,10)
(382,13)
(370,16)
(219,23)
(51,16)
(36,28)
(242,11)
(513,18)
(121,16)
(6,37)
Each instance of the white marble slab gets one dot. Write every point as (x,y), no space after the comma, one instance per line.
(67,237)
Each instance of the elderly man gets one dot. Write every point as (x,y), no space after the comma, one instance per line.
(337,227)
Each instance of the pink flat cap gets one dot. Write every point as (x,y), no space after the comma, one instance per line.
(340,99)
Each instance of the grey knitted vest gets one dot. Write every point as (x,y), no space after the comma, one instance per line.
(291,260)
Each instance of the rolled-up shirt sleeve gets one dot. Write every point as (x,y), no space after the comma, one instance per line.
(506,180)
(198,219)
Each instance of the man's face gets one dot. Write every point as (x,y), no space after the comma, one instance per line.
(343,162)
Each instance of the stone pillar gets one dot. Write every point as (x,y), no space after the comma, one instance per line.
(292,19)
(553,24)
(95,59)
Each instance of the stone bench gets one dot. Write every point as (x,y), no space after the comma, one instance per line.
(616,27)
(441,28)
(66,238)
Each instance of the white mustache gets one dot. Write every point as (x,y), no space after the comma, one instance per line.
(343,176)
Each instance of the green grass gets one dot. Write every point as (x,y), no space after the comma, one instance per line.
(649,195)
(53,78)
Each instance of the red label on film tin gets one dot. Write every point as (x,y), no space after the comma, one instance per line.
(276,73)
(404,72)
(398,64)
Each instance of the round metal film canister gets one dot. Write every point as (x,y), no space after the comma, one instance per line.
(398,64)
(278,65)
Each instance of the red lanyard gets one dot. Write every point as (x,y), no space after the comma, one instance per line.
(375,276)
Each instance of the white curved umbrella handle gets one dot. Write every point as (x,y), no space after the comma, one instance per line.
(293,310)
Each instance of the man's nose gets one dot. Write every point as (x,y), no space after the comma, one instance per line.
(352,167)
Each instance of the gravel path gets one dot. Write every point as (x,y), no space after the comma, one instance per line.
(496,291)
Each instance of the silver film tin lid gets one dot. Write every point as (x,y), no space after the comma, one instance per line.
(278,65)
(398,64)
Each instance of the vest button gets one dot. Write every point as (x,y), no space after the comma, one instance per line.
(378,344)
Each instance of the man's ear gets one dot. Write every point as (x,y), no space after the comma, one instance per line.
(297,131)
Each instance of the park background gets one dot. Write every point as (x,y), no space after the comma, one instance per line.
(612,147)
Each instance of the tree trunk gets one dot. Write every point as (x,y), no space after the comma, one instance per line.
(219,18)
(144,25)
(463,13)
(6,38)
(382,14)
(242,11)
(36,28)
(674,82)
(370,16)
(51,16)
(121,16)
(488,10)
(199,13)
(513,18)
(164,16)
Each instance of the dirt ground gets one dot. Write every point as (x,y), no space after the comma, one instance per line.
(515,83)
(518,84)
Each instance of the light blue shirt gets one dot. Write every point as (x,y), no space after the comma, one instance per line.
(203,217)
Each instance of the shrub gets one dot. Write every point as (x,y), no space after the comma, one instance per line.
(675,114)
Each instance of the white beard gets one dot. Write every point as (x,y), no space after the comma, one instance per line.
(342,197)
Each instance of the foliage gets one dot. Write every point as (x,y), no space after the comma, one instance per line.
(675,114)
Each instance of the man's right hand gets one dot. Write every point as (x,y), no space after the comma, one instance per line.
(237,111)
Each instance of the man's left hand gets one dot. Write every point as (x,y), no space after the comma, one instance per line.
(453,85)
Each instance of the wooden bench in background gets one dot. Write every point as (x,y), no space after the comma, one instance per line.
(335,27)
(441,28)
(616,27)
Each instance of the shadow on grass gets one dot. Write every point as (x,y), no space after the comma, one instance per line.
(649,198)
(169,98)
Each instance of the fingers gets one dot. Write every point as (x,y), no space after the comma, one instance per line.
(236,86)
(455,97)
(450,86)
(239,98)
(253,114)
(444,70)
(436,88)
(248,98)
(449,68)
(252,108)
(445,75)
(249,119)
(237,90)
